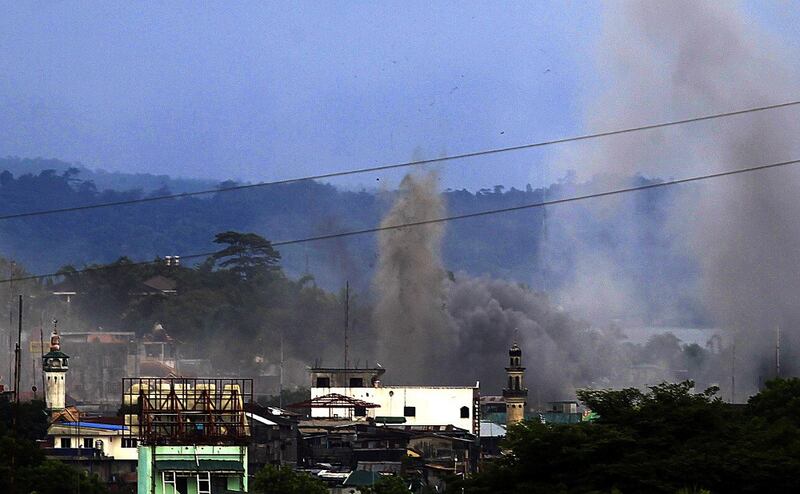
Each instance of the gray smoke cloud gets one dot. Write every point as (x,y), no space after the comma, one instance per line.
(660,61)
(410,313)
(668,60)
(440,329)
(560,352)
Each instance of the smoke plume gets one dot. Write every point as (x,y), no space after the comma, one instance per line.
(668,60)
(409,315)
(439,329)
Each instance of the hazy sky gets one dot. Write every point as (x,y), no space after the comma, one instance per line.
(262,90)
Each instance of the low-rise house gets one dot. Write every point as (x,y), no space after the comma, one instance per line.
(275,437)
(97,445)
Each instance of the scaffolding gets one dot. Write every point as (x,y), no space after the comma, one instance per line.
(186,411)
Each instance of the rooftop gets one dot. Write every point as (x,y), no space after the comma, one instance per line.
(94,425)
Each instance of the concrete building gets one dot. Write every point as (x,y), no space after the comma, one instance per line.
(411,405)
(193,433)
(103,358)
(516,394)
(106,439)
(275,437)
(192,469)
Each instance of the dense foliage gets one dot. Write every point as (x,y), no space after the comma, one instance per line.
(23,467)
(665,440)
(507,246)
(237,308)
(387,485)
(285,480)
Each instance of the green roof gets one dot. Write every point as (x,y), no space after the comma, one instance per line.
(56,354)
(361,478)
(204,465)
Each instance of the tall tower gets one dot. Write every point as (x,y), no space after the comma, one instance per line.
(516,394)
(55,364)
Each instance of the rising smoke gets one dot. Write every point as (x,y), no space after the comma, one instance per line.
(410,313)
(440,329)
(661,61)
(667,60)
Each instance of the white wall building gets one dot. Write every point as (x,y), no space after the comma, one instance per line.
(108,439)
(408,405)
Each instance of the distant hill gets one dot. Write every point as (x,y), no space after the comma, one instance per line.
(103,179)
(507,246)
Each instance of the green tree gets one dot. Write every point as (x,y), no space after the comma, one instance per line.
(285,480)
(246,253)
(387,485)
(22,462)
(667,439)
(31,419)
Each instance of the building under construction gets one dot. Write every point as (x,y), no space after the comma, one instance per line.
(192,433)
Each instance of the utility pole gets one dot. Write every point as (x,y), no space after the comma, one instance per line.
(778,350)
(11,317)
(41,348)
(18,355)
(280,383)
(346,319)
(733,370)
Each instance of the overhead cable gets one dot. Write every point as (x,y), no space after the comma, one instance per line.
(392,166)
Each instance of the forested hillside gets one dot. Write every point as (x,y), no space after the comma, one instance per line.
(537,247)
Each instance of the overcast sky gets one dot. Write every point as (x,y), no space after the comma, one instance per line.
(261,90)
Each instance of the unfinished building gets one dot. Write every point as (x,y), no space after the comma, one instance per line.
(192,433)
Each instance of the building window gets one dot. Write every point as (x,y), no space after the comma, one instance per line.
(323,382)
(360,412)
(129,442)
(88,442)
(516,383)
(464,412)
(168,483)
(356,382)
(66,442)
(510,383)
(204,483)
(409,411)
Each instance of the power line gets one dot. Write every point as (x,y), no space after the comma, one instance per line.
(476,214)
(393,166)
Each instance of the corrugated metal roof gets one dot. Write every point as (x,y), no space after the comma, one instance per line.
(94,425)
(361,478)
(490,429)
(259,419)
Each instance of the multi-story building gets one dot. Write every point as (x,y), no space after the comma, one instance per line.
(358,394)
(193,433)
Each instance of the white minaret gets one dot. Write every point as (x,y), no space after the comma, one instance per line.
(55,364)
(516,394)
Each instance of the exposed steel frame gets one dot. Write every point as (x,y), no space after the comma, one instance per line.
(334,400)
(181,410)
